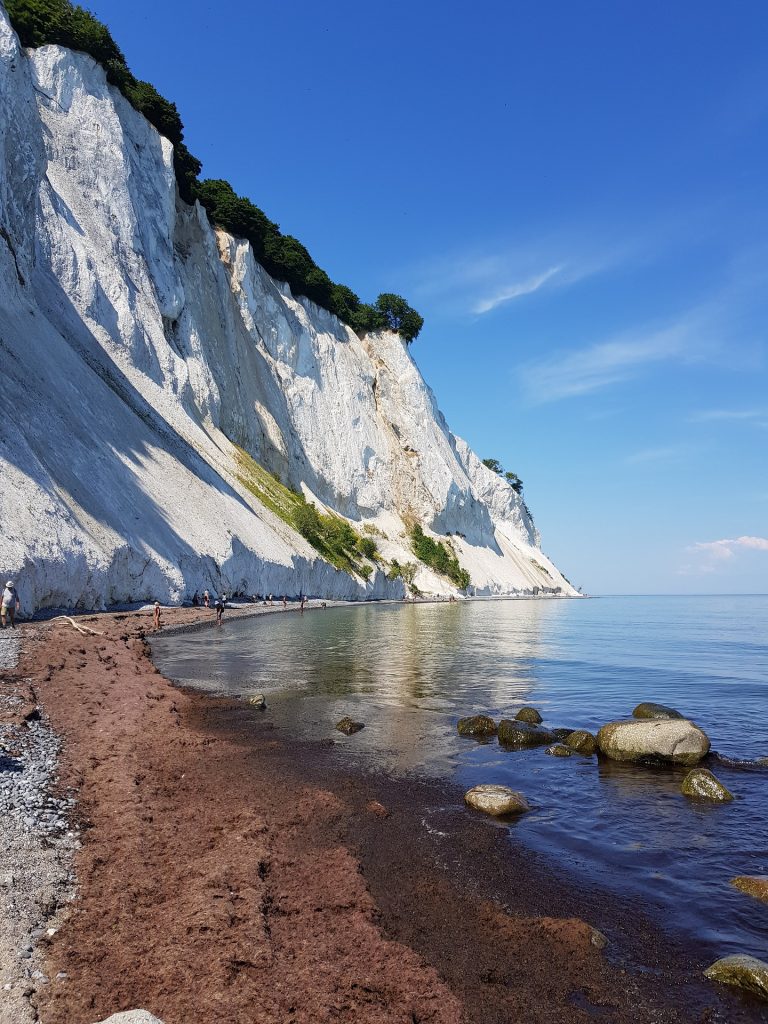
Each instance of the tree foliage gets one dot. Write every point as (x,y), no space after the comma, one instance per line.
(512,479)
(437,556)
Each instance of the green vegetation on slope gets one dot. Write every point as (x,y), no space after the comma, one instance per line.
(333,537)
(437,556)
(39,22)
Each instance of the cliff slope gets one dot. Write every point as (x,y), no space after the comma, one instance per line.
(154,376)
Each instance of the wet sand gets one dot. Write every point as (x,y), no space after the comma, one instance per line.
(229,872)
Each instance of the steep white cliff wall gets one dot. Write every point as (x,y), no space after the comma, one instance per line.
(139,346)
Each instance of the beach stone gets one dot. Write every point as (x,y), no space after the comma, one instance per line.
(701,784)
(529,714)
(581,741)
(678,741)
(559,750)
(651,710)
(476,725)
(496,800)
(752,885)
(561,734)
(523,734)
(597,939)
(348,727)
(743,971)
(257,700)
(131,1017)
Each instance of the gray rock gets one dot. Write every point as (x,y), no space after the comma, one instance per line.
(476,725)
(496,800)
(678,741)
(658,711)
(746,972)
(528,714)
(518,735)
(701,784)
(559,750)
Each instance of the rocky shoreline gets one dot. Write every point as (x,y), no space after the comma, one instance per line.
(228,872)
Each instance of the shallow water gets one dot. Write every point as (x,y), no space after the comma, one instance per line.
(410,671)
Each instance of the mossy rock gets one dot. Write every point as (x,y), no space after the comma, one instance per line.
(745,972)
(348,727)
(561,734)
(496,800)
(582,742)
(529,714)
(476,725)
(518,735)
(559,750)
(752,885)
(701,784)
(651,710)
(677,741)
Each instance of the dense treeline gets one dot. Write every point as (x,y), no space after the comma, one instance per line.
(39,22)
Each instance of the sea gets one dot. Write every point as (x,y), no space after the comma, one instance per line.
(410,671)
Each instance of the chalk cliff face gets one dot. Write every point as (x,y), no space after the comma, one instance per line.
(142,352)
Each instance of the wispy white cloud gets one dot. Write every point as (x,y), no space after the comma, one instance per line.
(672,453)
(724,549)
(757,417)
(567,374)
(515,290)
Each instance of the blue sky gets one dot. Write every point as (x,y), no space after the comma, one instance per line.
(575,198)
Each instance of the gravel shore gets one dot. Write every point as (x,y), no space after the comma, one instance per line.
(36,854)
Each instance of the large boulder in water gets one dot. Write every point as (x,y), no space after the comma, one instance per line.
(528,714)
(581,741)
(701,784)
(523,734)
(651,710)
(476,725)
(745,972)
(752,885)
(673,739)
(496,800)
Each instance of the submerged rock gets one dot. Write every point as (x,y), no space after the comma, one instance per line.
(348,727)
(528,714)
(581,741)
(678,741)
(496,800)
(752,885)
(258,701)
(561,734)
(523,734)
(743,971)
(655,711)
(701,784)
(476,725)
(559,750)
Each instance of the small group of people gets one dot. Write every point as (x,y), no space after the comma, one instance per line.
(10,604)
(219,604)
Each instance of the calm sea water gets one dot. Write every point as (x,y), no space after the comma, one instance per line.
(409,672)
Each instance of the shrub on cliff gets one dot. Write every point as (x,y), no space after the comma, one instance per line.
(437,556)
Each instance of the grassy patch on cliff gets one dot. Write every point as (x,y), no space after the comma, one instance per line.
(438,556)
(331,536)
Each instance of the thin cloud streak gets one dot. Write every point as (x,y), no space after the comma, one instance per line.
(514,291)
(598,366)
(721,550)
(670,454)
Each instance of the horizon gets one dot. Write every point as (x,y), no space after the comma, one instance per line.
(590,260)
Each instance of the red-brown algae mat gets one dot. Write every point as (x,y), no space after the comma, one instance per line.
(229,873)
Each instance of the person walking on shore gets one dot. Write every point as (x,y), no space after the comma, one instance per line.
(221,602)
(10,604)
(156,616)
(206,599)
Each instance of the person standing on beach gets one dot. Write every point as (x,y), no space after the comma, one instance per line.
(156,616)
(10,604)
(206,599)
(221,602)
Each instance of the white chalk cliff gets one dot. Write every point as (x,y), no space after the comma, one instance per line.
(139,347)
